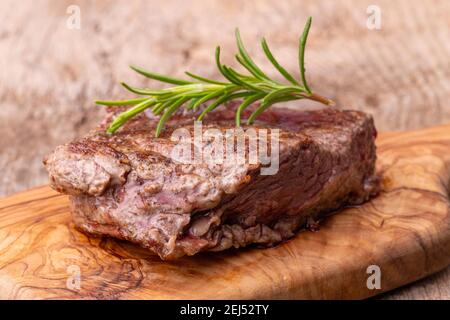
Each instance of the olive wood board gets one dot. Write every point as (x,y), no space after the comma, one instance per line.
(405,231)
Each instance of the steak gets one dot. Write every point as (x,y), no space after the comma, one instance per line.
(129,186)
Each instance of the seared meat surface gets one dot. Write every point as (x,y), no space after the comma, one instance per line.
(128,185)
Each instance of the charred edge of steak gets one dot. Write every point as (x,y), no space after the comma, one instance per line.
(269,210)
(126,186)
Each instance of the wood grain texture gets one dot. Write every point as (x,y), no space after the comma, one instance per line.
(405,231)
(49,75)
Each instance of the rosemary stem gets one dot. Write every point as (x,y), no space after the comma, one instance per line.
(321,99)
(190,94)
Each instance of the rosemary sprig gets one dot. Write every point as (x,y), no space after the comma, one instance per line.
(192,93)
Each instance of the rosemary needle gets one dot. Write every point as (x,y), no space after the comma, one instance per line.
(199,90)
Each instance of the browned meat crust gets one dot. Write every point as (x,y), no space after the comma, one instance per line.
(127,185)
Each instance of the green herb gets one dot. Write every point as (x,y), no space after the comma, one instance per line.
(192,93)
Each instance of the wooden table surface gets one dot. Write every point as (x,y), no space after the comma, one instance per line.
(50,74)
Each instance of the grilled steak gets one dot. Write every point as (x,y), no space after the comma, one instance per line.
(128,185)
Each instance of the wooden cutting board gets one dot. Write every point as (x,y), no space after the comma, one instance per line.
(405,231)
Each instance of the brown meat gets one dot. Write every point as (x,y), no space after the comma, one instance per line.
(128,186)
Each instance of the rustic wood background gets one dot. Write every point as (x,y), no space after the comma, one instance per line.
(50,74)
